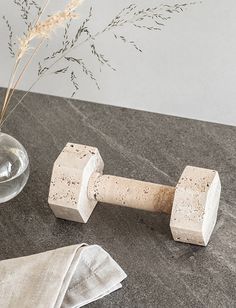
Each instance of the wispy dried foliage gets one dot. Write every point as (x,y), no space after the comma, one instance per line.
(62,61)
(11,43)
(150,19)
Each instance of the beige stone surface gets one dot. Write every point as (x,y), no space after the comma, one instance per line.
(77,184)
(195,206)
(68,196)
(131,193)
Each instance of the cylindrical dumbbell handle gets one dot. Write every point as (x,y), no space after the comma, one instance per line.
(131,193)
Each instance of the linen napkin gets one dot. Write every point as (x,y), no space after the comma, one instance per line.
(67,277)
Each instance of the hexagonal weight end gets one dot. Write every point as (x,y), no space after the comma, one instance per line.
(68,197)
(195,206)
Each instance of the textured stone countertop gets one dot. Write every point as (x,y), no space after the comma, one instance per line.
(141,145)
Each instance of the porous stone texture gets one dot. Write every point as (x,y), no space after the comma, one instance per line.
(68,194)
(131,193)
(78,183)
(145,146)
(195,206)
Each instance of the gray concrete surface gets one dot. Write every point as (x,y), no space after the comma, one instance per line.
(142,145)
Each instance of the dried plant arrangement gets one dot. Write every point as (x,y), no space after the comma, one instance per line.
(38,32)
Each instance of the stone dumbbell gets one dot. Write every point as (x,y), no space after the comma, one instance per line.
(78,183)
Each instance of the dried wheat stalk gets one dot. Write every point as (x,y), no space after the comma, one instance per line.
(39,30)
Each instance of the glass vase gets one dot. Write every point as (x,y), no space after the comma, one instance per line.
(14,167)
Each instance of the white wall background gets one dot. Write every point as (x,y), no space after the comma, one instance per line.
(187,69)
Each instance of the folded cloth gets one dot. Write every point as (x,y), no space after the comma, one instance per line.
(67,277)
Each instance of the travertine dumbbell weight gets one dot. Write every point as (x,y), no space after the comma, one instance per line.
(77,185)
